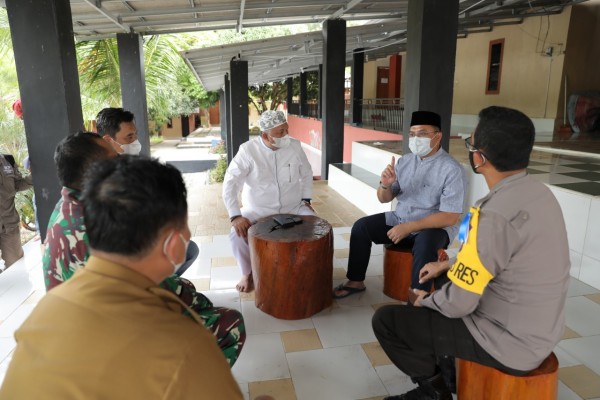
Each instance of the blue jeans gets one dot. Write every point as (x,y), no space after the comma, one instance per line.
(373,229)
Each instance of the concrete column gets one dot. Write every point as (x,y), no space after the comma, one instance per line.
(395,76)
(320,91)
(289,83)
(42,36)
(334,62)
(303,95)
(133,84)
(223,114)
(356,89)
(239,104)
(227,100)
(431,53)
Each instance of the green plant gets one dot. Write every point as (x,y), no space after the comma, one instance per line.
(217,174)
(26,209)
(155,139)
(219,149)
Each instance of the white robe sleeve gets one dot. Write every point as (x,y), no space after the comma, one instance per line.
(235,176)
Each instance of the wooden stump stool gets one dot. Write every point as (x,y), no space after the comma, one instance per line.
(397,272)
(477,382)
(292,268)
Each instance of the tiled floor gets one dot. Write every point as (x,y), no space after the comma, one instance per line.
(334,354)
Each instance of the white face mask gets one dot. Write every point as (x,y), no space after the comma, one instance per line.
(420,146)
(133,148)
(281,142)
(186,243)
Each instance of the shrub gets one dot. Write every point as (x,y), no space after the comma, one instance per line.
(219,148)
(217,174)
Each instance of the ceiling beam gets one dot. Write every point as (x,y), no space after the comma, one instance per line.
(92,4)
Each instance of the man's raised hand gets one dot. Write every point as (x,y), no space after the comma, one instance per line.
(388,176)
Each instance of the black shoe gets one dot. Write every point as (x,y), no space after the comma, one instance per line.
(448,370)
(433,388)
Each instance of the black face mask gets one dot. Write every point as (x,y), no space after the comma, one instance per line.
(473,167)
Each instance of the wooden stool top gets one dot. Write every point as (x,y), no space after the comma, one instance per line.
(311,228)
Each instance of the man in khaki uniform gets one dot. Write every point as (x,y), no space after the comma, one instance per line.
(110,332)
(11,182)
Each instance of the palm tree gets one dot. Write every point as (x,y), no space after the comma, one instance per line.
(98,63)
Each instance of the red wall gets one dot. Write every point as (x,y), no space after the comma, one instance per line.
(309,130)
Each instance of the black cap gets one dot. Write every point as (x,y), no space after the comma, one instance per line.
(426,118)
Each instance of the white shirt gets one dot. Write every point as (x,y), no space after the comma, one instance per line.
(271,181)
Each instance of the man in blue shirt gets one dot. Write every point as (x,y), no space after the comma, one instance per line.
(430,188)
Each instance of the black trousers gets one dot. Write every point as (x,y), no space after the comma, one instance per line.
(373,229)
(413,337)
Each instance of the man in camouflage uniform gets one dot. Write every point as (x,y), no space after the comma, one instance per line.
(67,245)
(11,182)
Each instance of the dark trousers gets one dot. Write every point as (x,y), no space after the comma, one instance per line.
(413,338)
(373,229)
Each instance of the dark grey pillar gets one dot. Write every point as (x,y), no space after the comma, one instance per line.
(356,89)
(239,104)
(430,57)
(334,62)
(289,83)
(320,112)
(223,114)
(42,36)
(228,140)
(185,126)
(133,84)
(303,95)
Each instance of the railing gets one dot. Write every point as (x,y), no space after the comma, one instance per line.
(383,114)
(379,114)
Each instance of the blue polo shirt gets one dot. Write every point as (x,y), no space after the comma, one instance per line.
(427,186)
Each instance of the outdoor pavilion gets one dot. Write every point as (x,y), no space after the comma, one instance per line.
(44,34)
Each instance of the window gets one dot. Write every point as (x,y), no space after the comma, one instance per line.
(494,66)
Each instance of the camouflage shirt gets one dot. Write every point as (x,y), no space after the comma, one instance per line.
(67,250)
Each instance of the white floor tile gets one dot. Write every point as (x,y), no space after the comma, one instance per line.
(590,271)
(583,316)
(259,322)
(15,287)
(199,269)
(591,247)
(373,294)
(224,277)
(340,243)
(14,321)
(7,345)
(377,250)
(584,349)
(339,373)
(262,359)
(229,298)
(4,365)
(564,358)
(342,229)
(575,208)
(395,381)
(343,325)
(220,247)
(375,265)
(564,393)
(578,288)
(575,264)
